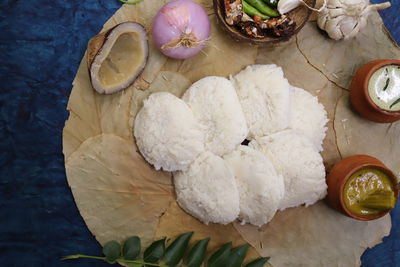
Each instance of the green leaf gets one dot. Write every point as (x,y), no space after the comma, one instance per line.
(197,253)
(237,255)
(131,248)
(175,251)
(220,257)
(260,262)
(386,84)
(155,252)
(112,251)
(395,103)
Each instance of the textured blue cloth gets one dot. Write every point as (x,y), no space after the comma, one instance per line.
(41,45)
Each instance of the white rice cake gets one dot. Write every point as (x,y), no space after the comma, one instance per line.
(216,106)
(260,188)
(166,132)
(208,190)
(302,168)
(308,116)
(264,94)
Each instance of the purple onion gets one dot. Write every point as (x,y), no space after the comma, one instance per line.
(181,29)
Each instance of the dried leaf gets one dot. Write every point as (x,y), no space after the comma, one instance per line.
(175,221)
(119,194)
(340,60)
(314,236)
(360,136)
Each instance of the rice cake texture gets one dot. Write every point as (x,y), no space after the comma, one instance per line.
(264,94)
(301,166)
(308,116)
(216,106)
(208,190)
(260,187)
(167,134)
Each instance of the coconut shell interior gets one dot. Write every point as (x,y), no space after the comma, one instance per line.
(117,57)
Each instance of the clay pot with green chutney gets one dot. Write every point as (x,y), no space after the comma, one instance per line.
(362,187)
(375,90)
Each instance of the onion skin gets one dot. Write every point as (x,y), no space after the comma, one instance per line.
(181,29)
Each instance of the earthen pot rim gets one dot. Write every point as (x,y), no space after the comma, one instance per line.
(384,169)
(377,65)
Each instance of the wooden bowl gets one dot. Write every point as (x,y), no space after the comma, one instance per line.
(359,96)
(341,172)
(300,15)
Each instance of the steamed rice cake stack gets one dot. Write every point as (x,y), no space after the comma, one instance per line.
(223,180)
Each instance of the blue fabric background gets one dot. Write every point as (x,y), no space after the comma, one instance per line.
(41,45)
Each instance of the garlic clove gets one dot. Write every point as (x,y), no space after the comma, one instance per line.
(321,21)
(360,24)
(335,33)
(284,6)
(332,27)
(333,13)
(347,25)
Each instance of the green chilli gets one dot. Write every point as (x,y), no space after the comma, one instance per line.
(273,3)
(251,11)
(263,8)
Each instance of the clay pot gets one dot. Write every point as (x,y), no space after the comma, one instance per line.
(359,96)
(341,172)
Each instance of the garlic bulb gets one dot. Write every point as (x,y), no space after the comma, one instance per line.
(343,19)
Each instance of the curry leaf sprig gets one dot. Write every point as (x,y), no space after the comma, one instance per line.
(175,254)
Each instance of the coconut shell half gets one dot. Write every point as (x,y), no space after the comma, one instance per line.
(115,58)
